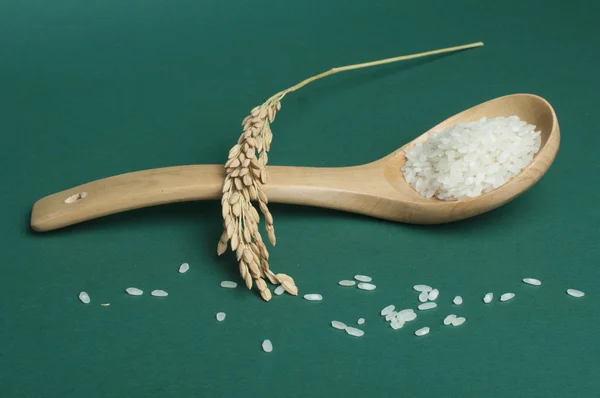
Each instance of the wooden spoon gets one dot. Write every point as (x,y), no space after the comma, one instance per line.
(376,189)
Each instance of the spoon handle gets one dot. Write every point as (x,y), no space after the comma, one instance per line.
(324,187)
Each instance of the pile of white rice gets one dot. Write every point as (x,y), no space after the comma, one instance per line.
(469,159)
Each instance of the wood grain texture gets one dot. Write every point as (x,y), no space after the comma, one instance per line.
(375,189)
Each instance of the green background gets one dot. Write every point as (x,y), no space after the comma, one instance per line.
(97,88)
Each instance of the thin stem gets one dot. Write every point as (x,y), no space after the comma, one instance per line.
(374,63)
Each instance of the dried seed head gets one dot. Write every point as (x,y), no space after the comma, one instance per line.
(262,197)
(239,252)
(234,242)
(270,114)
(266,294)
(248,255)
(264,176)
(246,194)
(247,235)
(243,270)
(247,180)
(225,209)
(236,209)
(221,247)
(234,198)
(271,234)
(253,194)
(227,185)
(268,216)
(261,284)
(233,152)
(238,184)
(271,277)
(290,288)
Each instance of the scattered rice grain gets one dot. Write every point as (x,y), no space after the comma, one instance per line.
(427,306)
(159,293)
(360,321)
(84,297)
(532,281)
(363,278)
(228,284)
(267,346)
(391,315)
(134,291)
(449,319)
(338,325)
(575,293)
(279,290)
(354,331)
(488,298)
(458,321)
(366,286)
(507,296)
(433,295)
(388,309)
(422,288)
(423,297)
(422,331)
(346,282)
(183,268)
(313,297)
(458,300)
(396,324)
(221,316)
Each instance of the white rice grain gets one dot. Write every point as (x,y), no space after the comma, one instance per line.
(354,331)
(366,286)
(458,300)
(221,316)
(575,293)
(397,324)
(360,321)
(279,290)
(427,306)
(134,291)
(267,346)
(407,315)
(449,319)
(423,297)
(388,309)
(422,331)
(84,297)
(507,296)
(346,282)
(488,298)
(313,297)
(363,278)
(433,295)
(391,315)
(458,321)
(422,288)
(338,325)
(183,268)
(229,284)
(532,281)
(159,293)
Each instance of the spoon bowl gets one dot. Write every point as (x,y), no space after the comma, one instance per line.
(376,189)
